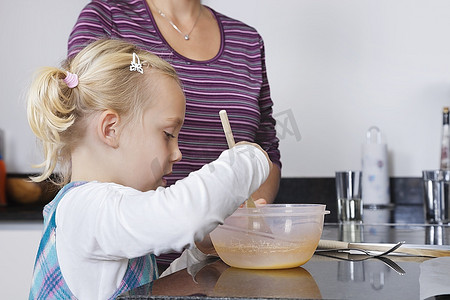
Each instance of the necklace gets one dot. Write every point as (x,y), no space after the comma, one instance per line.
(185,36)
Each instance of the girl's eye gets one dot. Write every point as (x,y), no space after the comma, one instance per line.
(169,135)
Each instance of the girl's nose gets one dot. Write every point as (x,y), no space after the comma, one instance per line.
(176,155)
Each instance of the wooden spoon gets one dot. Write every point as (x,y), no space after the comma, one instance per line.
(249,202)
(230,140)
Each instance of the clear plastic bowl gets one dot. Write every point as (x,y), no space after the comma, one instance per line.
(272,236)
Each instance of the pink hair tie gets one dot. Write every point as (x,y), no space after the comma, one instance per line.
(71,80)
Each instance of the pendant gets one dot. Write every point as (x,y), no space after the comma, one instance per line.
(186,37)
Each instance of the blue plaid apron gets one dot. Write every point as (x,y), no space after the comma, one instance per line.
(47,280)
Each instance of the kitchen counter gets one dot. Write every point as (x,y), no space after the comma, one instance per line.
(322,277)
(21,213)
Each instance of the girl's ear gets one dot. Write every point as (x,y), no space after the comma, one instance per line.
(108,128)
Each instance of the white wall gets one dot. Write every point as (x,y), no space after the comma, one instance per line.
(338,67)
(33,34)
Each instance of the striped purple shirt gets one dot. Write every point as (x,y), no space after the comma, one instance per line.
(235,79)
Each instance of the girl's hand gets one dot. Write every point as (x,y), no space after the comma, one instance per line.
(259,201)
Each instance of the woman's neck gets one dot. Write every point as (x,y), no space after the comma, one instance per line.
(186,25)
(179,11)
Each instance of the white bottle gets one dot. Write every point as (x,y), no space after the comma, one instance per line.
(445,142)
(375,174)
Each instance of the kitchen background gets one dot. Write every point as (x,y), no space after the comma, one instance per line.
(335,68)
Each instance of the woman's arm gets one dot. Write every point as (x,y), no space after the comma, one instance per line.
(269,189)
(266,137)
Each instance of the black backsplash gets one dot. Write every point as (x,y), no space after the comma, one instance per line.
(404,191)
(406,195)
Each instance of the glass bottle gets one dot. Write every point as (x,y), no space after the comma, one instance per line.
(445,141)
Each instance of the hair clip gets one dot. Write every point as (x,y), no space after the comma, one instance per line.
(71,80)
(136,66)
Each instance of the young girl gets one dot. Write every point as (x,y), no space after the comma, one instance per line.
(110,121)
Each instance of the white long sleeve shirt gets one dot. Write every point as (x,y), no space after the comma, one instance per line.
(101,225)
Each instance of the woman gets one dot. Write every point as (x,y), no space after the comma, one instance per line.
(220,62)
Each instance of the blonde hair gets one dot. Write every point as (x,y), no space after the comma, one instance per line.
(57,114)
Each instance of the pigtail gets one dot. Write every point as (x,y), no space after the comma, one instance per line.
(50,110)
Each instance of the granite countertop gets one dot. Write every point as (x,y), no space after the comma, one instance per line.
(322,277)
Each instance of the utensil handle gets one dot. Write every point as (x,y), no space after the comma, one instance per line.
(227,128)
(230,140)
(407,249)
(329,244)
